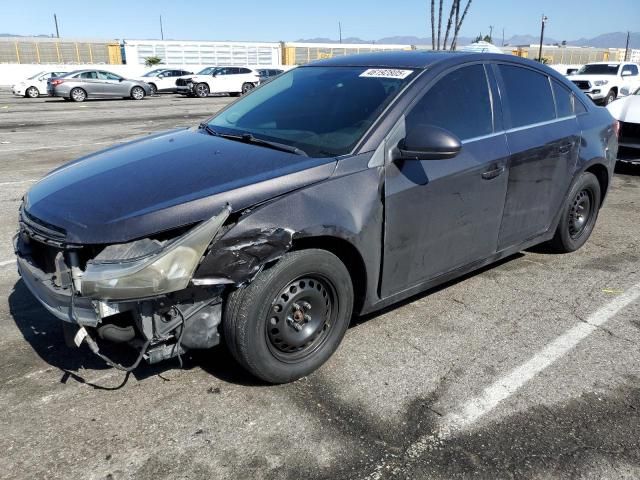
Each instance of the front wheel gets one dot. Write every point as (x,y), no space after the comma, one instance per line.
(201,90)
(579,214)
(291,318)
(153,88)
(611,96)
(32,92)
(137,93)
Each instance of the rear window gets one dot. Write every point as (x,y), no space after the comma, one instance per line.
(564,100)
(528,96)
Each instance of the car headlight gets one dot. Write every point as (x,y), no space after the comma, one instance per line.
(599,83)
(152,271)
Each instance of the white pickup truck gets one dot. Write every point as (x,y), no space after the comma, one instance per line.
(603,82)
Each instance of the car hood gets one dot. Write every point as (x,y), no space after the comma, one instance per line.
(593,78)
(626,109)
(162,182)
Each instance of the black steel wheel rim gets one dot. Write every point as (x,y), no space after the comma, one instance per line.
(300,318)
(580,213)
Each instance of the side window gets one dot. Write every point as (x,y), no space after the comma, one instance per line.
(564,100)
(633,68)
(244,70)
(529,98)
(108,76)
(458,102)
(88,75)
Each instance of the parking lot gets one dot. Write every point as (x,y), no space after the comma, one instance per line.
(527,369)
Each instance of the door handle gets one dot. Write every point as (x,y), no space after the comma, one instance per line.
(565,148)
(493,173)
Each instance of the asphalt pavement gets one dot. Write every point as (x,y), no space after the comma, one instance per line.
(527,369)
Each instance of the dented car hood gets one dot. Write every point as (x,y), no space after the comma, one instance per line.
(162,182)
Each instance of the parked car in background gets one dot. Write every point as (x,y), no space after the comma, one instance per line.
(627,111)
(603,82)
(35,85)
(231,80)
(163,80)
(79,85)
(267,74)
(341,186)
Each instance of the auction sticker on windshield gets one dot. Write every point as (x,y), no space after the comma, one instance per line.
(386,73)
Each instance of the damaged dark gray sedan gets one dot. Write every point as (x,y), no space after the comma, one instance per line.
(336,189)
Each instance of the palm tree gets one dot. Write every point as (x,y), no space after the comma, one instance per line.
(454,23)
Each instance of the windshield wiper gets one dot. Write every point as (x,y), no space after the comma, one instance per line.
(205,126)
(248,138)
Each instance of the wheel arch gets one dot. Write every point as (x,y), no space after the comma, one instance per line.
(602,174)
(348,255)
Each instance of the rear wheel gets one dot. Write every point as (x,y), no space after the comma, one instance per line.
(579,214)
(291,318)
(247,87)
(201,90)
(137,93)
(78,95)
(32,92)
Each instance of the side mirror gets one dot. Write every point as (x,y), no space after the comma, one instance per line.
(627,73)
(428,142)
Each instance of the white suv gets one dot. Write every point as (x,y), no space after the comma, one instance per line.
(163,79)
(231,80)
(606,81)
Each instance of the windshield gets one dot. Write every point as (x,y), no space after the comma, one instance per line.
(206,71)
(323,111)
(35,76)
(153,73)
(599,69)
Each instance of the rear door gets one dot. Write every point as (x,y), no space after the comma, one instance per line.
(223,81)
(444,214)
(543,137)
(90,83)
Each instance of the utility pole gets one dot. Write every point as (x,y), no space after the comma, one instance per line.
(340,31)
(491,33)
(503,36)
(55,20)
(626,49)
(161,31)
(544,20)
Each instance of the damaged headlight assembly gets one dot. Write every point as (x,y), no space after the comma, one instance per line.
(154,269)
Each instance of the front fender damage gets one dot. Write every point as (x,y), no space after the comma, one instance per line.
(238,259)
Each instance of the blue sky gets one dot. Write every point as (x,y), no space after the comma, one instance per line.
(273,20)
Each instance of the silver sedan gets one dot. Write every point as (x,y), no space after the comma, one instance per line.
(82,84)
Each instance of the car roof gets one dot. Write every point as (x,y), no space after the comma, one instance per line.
(405,58)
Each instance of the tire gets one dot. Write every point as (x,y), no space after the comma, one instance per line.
(32,92)
(611,96)
(153,88)
(137,93)
(247,87)
(291,318)
(579,214)
(201,90)
(78,94)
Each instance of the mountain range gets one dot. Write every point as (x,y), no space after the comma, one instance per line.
(606,40)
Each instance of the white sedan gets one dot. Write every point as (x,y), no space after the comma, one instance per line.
(627,111)
(35,85)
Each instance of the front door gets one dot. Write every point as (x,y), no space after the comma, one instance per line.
(444,214)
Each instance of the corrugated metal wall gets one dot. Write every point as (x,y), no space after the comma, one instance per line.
(301,53)
(36,50)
